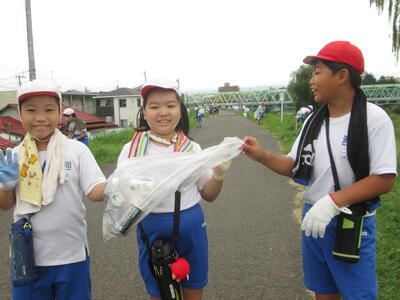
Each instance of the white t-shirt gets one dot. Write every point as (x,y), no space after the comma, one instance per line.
(303,111)
(59,229)
(382,152)
(190,196)
(246,109)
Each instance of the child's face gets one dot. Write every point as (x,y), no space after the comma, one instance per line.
(323,83)
(40,115)
(162,112)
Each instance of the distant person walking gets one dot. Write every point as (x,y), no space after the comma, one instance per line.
(200,117)
(76,127)
(259,113)
(302,115)
(246,111)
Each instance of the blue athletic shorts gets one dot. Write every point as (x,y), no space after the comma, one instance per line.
(84,140)
(324,274)
(192,245)
(63,282)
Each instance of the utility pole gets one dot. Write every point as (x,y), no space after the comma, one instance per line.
(145,79)
(32,70)
(19,79)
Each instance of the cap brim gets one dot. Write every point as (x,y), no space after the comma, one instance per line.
(309,59)
(147,88)
(41,93)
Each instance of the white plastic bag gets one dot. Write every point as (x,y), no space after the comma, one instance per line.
(139,184)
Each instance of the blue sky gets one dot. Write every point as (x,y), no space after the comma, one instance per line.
(100,44)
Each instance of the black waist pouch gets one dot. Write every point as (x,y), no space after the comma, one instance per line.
(348,234)
(23,270)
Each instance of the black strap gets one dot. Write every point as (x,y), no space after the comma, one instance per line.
(175,226)
(336,186)
(177,209)
(359,208)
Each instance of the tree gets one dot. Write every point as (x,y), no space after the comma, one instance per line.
(368,78)
(299,86)
(393,9)
(386,80)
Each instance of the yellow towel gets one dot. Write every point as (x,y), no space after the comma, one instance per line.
(31,176)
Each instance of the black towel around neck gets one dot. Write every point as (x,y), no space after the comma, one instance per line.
(357,146)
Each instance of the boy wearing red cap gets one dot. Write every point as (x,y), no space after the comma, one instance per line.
(346,156)
(43,179)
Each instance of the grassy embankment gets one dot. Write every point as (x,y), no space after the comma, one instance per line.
(388,216)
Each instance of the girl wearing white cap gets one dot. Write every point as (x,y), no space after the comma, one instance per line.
(163,127)
(44,179)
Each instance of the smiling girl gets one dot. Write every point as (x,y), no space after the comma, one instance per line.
(163,127)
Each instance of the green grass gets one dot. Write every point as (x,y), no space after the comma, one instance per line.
(107,148)
(388,216)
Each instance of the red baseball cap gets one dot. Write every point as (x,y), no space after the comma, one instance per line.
(341,52)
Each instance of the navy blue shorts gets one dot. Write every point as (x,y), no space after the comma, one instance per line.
(84,140)
(63,282)
(324,274)
(192,245)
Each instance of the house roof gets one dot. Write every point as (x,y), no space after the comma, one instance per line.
(120,92)
(4,144)
(91,121)
(12,125)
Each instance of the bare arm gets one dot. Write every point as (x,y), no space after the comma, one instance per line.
(211,189)
(97,193)
(364,189)
(81,135)
(7,199)
(280,164)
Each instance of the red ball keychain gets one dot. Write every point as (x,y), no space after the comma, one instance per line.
(180,268)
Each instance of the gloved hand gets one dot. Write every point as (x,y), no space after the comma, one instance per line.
(319,216)
(220,170)
(9,171)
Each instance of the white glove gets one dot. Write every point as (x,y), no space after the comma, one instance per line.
(9,170)
(319,216)
(220,170)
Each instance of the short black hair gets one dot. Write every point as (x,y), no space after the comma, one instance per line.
(183,123)
(355,78)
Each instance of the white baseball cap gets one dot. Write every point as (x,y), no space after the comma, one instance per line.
(38,87)
(68,111)
(164,84)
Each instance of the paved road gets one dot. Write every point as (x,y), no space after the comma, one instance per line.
(254,238)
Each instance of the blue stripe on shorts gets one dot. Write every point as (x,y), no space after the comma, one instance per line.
(192,245)
(324,274)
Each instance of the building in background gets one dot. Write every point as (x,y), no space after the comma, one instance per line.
(119,106)
(11,127)
(82,101)
(228,88)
